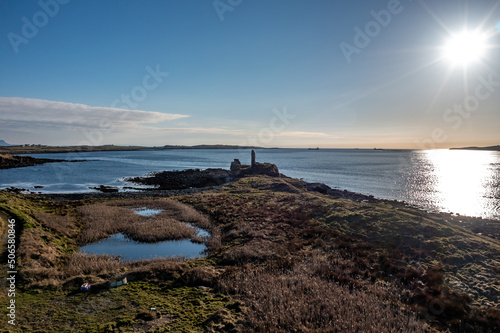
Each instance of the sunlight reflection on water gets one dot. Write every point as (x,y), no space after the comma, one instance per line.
(464,181)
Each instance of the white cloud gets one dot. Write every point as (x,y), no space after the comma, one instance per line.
(37,113)
(303,135)
(200,130)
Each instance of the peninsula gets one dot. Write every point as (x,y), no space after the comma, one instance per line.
(8,161)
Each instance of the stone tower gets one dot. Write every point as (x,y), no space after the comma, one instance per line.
(253,158)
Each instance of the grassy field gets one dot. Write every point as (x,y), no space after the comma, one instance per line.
(282,259)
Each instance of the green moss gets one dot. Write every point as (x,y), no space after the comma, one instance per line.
(181,309)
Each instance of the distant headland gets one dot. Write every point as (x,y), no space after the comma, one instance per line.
(491,148)
(41,149)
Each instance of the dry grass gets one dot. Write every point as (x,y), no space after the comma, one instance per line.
(295,300)
(6,156)
(90,264)
(105,219)
(263,227)
(39,258)
(63,225)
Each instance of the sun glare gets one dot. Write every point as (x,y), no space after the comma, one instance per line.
(465,47)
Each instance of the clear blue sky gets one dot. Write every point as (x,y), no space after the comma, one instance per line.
(265,72)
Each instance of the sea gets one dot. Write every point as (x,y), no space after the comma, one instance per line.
(464,182)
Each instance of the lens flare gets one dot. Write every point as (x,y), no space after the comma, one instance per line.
(465,47)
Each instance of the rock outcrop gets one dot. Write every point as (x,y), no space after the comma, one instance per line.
(176,180)
(9,161)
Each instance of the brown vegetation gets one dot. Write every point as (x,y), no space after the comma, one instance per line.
(285,225)
(105,219)
(57,223)
(100,268)
(295,300)
(6,156)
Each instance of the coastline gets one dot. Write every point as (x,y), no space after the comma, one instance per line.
(16,150)
(131,192)
(273,225)
(486,226)
(478,225)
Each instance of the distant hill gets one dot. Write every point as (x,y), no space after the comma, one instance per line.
(494,148)
(211,147)
(4,144)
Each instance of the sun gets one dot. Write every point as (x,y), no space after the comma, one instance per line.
(465,47)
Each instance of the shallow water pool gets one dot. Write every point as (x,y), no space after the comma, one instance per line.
(128,249)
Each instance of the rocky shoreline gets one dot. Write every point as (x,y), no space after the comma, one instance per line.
(171,183)
(180,180)
(479,226)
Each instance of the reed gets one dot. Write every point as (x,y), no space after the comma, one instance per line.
(91,264)
(292,300)
(105,219)
(63,225)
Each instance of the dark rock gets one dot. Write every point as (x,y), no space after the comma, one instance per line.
(16,190)
(178,180)
(318,187)
(9,162)
(106,189)
(268,169)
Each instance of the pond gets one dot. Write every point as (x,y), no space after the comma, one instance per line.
(128,249)
(145,211)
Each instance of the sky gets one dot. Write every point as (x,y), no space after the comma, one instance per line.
(270,73)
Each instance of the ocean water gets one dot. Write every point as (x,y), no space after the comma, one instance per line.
(459,181)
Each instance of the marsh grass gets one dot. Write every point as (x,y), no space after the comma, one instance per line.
(63,225)
(105,219)
(364,245)
(98,267)
(90,264)
(293,300)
